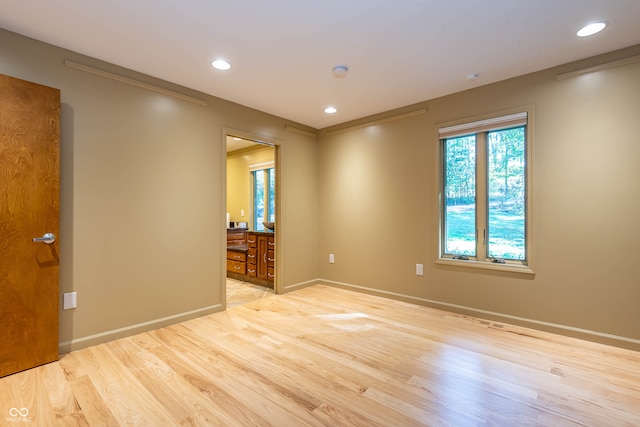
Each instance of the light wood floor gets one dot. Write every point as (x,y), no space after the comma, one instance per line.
(328,357)
(239,292)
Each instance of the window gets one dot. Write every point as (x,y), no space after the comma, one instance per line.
(484,189)
(264,189)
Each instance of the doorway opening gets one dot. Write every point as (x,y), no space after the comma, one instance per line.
(251,212)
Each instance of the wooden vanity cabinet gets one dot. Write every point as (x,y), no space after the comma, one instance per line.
(261,256)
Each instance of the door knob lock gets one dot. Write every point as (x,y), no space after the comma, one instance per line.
(47,238)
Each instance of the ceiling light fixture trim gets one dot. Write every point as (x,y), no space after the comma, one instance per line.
(221,64)
(591,29)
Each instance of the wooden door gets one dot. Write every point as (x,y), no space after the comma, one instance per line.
(29,208)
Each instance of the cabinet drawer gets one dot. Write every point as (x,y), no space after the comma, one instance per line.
(271,274)
(236,266)
(251,256)
(237,256)
(271,258)
(252,240)
(251,270)
(235,237)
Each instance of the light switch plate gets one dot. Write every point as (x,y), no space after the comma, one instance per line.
(70,300)
(419,269)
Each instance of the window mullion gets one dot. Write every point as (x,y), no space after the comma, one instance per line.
(481,197)
(265,193)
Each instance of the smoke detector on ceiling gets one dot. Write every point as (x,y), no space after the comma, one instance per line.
(340,71)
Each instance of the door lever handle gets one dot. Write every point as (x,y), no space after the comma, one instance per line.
(47,238)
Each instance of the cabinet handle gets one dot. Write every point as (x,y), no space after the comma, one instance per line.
(271,275)
(252,256)
(251,271)
(271,244)
(265,257)
(271,259)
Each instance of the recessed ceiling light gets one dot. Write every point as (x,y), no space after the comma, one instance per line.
(331,110)
(221,64)
(591,29)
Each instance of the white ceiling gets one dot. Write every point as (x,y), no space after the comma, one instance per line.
(399,52)
(235,143)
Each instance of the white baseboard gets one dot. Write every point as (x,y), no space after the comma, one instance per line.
(102,337)
(522,321)
(301,285)
(82,342)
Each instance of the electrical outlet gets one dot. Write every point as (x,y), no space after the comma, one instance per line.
(332,259)
(419,269)
(70,300)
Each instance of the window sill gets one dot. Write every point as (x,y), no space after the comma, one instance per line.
(512,268)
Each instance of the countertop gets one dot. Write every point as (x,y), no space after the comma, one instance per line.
(262,233)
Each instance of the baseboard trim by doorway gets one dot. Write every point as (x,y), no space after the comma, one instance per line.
(106,336)
(565,330)
(306,284)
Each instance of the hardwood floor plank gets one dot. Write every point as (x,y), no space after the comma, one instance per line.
(329,380)
(94,408)
(323,356)
(348,361)
(30,393)
(65,407)
(235,385)
(331,415)
(90,403)
(178,396)
(123,394)
(60,393)
(220,406)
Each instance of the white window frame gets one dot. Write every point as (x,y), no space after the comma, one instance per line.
(483,124)
(261,167)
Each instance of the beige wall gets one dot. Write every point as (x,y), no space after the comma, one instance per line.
(378,205)
(143,195)
(239,183)
(143,200)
